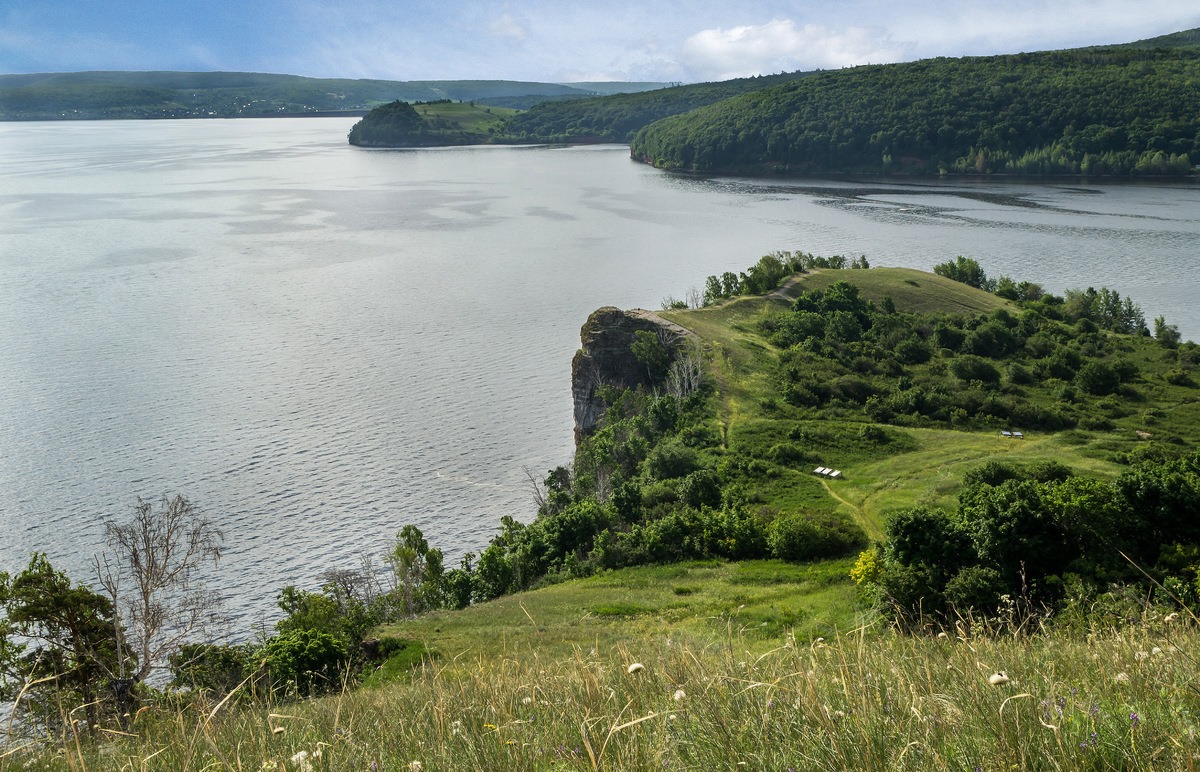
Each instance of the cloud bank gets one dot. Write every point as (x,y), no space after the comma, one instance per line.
(781,45)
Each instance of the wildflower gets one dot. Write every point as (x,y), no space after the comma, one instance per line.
(998,678)
(1121,678)
(301,761)
(527,701)
(1155,651)
(1141,655)
(636,667)
(679,695)
(1134,720)
(415,766)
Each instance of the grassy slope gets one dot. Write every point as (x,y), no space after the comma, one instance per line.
(930,469)
(467,117)
(698,601)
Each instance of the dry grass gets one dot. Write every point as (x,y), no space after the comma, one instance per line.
(1116,699)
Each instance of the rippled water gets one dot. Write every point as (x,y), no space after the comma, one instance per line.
(318,344)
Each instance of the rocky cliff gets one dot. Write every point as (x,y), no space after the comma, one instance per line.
(606,359)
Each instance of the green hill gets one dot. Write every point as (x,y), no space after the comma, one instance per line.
(617,118)
(399,124)
(1097,111)
(91,95)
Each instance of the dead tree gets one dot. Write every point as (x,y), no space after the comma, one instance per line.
(153,578)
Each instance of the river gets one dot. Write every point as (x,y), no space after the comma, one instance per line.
(318,344)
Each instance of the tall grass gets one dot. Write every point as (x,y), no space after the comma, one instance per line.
(1099,699)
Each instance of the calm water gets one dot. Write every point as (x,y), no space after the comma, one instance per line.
(319,344)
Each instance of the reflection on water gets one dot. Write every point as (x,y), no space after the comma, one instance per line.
(319,344)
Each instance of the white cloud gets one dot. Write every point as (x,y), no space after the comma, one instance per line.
(506,25)
(781,46)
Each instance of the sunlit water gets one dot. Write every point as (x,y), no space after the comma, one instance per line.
(318,344)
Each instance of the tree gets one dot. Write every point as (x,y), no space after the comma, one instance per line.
(154,584)
(649,350)
(965,270)
(57,645)
(418,570)
(1166,334)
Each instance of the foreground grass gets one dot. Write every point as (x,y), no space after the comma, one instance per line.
(871,699)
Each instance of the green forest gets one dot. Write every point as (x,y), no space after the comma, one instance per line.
(1107,111)
(617,118)
(107,95)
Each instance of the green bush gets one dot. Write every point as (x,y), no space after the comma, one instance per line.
(814,536)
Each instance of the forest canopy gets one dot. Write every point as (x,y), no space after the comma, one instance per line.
(1108,111)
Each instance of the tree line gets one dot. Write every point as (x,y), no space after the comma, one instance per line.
(1113,111)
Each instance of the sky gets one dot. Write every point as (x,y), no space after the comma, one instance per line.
(553,40)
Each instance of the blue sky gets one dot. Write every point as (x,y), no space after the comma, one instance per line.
(551,40)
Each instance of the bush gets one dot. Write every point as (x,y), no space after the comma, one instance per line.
(306,661)
(1098,378)
(701,489)
(969,367)
(671,459)
(975,588)
(812,537)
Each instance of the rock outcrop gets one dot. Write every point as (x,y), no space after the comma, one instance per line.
(606,359)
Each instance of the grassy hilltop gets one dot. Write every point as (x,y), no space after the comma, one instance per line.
(600,636)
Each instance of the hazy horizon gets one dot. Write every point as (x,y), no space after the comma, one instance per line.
(660,40)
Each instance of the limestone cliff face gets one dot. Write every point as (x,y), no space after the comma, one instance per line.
(605,359)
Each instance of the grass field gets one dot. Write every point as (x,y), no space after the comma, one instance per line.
(467,117)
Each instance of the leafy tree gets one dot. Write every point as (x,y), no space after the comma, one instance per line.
(59,646)
(965,270)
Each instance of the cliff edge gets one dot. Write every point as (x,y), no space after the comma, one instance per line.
(607,359)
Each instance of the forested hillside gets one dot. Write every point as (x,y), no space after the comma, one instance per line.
(93,95)
(1121,110)
(617,118)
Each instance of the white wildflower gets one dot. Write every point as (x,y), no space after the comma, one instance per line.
(415,766)
(1121,678)
(1141,655)
(527,701)
(301,761)
(998,678)
(679,695)
(1156,651)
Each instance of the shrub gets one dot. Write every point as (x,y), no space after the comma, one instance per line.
(975,587)
(969,367)
(811,537)
(306,661)
(671,459)
(1098,378)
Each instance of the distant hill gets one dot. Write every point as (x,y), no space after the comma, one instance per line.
(1118,110)
(1186,39)
(92,95)
(618,117)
